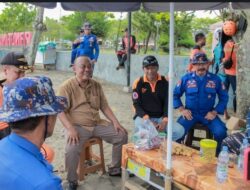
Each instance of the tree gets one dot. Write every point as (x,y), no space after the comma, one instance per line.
(144,22)
(74,22)
(17,17)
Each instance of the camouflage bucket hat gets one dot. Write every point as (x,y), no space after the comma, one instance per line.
(30,97)
(199,58)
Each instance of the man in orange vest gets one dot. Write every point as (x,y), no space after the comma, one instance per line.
(122,54)
(230,50)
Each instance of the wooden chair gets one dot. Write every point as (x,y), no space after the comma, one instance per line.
(90,162)
(197,133)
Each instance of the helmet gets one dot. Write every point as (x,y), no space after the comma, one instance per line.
(217,34)
(229,27)
(150,60)
(199,58)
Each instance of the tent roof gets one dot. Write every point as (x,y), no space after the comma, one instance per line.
(148,6)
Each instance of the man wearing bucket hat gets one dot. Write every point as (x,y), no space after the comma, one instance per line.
(13,66)
(88,45)
(201,88)
(30,107)
(150,98)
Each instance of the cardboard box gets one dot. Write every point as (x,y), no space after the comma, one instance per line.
(235,123)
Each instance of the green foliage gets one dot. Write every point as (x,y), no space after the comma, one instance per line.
(202,24)
(17,17)
(74,22)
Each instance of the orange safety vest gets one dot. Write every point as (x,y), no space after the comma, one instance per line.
(227,50)
(2,124)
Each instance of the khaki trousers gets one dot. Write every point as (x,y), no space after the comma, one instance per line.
(107,134)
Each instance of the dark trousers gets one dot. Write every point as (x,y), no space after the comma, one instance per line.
(73,55)
(231,80)
(122,56)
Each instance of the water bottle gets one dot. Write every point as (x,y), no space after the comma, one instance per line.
(241,155)
(222,165)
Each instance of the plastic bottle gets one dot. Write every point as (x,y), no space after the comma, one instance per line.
(222,165)
(241,155)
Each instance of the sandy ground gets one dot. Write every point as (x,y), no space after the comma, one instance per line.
(121,104)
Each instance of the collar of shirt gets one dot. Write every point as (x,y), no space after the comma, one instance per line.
(206,75)
(29,147)
(146,80)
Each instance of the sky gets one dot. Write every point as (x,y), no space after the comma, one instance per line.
(58,12)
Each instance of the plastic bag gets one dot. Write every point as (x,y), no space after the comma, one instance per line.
(146,136)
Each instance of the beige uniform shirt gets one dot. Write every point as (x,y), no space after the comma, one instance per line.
(84,103)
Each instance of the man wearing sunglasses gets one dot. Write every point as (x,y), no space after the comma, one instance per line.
(88,45)
(13,66)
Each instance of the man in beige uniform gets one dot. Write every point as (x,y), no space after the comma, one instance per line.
(82,120)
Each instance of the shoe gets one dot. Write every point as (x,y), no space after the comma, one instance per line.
(117,172)
(118,67)
(73,185)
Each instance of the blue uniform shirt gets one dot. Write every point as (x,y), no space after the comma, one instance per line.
(201,94)
(22,166)
(87,46)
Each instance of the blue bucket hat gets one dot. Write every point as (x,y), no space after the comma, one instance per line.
(200,58)
(30,97)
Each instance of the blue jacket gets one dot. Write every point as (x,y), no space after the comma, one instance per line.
(87,46)
(22,166)
(201,94)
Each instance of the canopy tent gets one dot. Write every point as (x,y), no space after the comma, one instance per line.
(148,6)
(153,7)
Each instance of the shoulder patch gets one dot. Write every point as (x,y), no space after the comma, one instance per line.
(135,95)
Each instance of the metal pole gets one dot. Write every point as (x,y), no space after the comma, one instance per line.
(128,55)
(168,179)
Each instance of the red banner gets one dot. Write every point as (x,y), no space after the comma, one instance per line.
(16,39)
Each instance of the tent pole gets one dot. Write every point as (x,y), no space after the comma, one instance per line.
(128,58)
(168,179)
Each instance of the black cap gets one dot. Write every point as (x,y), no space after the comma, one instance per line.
(150,60)
(86,25)
(16,59)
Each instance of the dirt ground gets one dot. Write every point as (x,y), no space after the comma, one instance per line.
(121,104)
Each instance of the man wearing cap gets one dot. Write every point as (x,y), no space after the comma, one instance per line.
(201,88)
(82,119)
(30,107)
(75,46)
(122,54)
(88,45)
(13,66)
(150,98)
